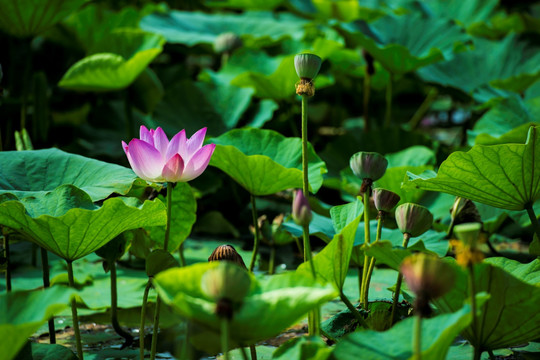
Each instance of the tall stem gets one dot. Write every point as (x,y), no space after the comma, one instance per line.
(225,337)
(367,237)
(46,284)
(354,311)
(367,93)
(8,263)
(406,238)
(114,307)
(143,318)
(181,255)
(272,264)
(388,114)
(153,349)
(472,292)
(417,337)
(256,235)
(253,352)
(305,161)
(534,221)
(74,311)
(372,262)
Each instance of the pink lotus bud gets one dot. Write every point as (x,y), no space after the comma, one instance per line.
(301,211)
(413,219)
(385,200)
(154,158)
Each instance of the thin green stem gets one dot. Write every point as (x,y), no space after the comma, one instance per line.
(256,239)
(354,311)
(372,262)
(74,315)
(367,239)
(305,181)
(47,284)
(244,353)
(143,318)
(472,292)
(417,337)
(307,250)
(424,107)
(253,352)
(388,114)
(181,255)
(406,238)
(534,221)
(225,337)
(367,93)
(153,348)
(114,307)
(169,209)
(272,264)
(8,262)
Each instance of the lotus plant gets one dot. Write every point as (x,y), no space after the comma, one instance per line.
(156,159)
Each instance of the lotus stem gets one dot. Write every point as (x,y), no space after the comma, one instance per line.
(367,236)
(8,264)
(388,114)
(181,255)
(114,308)
(156,329)
(472,291)
(74,315)
(406,238)
(353,310)
(244,353)
(534,221)
(47,284)
(372,262)
(367,93)
(424,107)
(272,264)
(225,337)
(256,239)
(143,318)
(253,352)
(417,337)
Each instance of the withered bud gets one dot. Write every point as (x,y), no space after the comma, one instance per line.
(413,219)
(227,253)
(385,200)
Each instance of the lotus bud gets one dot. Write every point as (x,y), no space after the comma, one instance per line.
(368,165)
(307,67)
(428,277)
(464,211)
(227,253)
(385,200)
(301,211)
(227,284)
(227,42)
(413,219)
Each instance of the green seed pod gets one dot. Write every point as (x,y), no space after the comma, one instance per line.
(227,42)
(226,281)
(307,65)
(385,200)
(468,233)
(368,165)
(413,219)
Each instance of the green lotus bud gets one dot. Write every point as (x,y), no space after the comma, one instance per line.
(428,277)
(413,219)
(301,211)
(385,200)
(368,165)
(468,233)
(227,42)
(226,281)
(307,65)
(227,253)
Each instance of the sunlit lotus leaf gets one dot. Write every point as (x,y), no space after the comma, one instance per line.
(505,176)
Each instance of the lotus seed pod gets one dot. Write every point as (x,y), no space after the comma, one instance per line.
(307,65)
(226,281)
(413,219)
(227,42)
(385,200)
(227,253)
(301,211)
(368,165)
(468,233)
(428,276)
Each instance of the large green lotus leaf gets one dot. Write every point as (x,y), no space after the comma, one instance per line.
(348,10)
(438,333)
(245,4)
(387,253)
(25,18)
(125,54)
(504,176)
(33,173)
(84,228)
(320,226)
(38,351)
(303,348)
(183,216)
(264,161)
(191,28)
(509,317)
(465,12)
(405,43)
(23,312)
(496,125)
(273,303)
(332,263)
(519,70)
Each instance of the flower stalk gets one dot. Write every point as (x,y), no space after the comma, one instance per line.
(225,337)
(406,238)
(47,284)
(74,315)
(143,318)
(256,238)
(417,337)
(367,238)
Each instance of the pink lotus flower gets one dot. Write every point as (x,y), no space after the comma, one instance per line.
(154,158)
